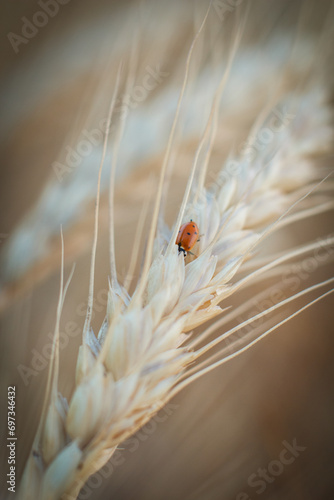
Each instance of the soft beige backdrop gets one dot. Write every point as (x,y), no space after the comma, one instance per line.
(219,432)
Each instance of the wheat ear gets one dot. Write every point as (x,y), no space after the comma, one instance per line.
(143,353)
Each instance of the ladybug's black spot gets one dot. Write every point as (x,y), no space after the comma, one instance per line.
(188,233)
(195,232)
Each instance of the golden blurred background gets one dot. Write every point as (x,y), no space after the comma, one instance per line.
(213,440)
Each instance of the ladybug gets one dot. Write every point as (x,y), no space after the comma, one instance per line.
(187,237)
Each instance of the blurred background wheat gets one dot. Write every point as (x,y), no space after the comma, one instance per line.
(218,432)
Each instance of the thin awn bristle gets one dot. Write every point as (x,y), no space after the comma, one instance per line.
(281,257)
(116,145)
(212,366)
(96,220)
(135,248)
(230,316)
(244,306)
(150,242)
(212,122)
(54,361)
(218,356)
(256,317)
(267,232)
(51,391)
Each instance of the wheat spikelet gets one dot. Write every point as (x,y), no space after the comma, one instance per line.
(142,355)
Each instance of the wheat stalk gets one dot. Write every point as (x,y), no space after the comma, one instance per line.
(143,353)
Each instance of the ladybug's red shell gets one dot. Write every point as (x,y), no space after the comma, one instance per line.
(188,236)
